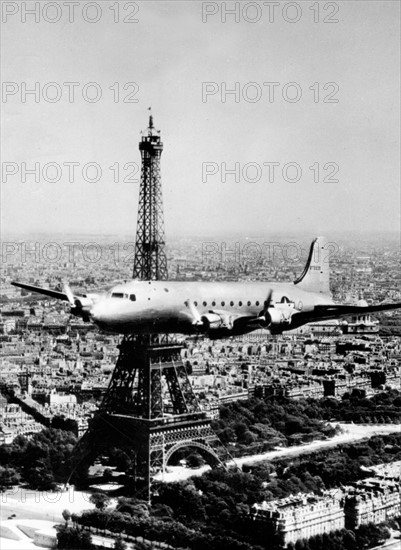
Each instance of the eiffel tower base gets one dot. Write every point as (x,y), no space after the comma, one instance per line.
(150,411)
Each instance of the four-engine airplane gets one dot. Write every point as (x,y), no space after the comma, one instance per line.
(215,309)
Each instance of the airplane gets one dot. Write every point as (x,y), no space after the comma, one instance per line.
(214,309)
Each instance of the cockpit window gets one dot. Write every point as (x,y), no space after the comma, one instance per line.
(117,295)
(132,297)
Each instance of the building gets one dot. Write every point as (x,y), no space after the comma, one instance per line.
(15,421)
(304,515)
(372,500)
(362,324)
(391,470)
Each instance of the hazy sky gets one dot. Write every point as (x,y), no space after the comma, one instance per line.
(169,53)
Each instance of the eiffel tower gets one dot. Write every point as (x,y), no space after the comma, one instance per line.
(149,406)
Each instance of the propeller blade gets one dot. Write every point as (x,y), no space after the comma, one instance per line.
(194,312)
(263,315)
(69,294)
(268,302)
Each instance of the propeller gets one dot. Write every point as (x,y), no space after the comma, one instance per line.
(80,305)
(264,315)
(274,317)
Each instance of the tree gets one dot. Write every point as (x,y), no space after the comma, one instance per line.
(40,460)
(248,437)
(108,474)
(227,435)
(119,544)
(162,511)
(67,516)
(195,460)
(183,498)
(372,534)
(71,538)
(349,540)
(40,476)
(142,545)
(294,425)
(8,477)
(100,500)
(120,460)
(134,507)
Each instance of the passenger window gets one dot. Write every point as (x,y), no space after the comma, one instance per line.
(205,304)
(132,297)
(248,303)
(213,304)
(231,304)
(257,303)
(240,303)
(223,304)
(195,304)
(117,295)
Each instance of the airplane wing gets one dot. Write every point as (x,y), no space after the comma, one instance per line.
(44,291)
(278,319)
(327,312)
(80,305)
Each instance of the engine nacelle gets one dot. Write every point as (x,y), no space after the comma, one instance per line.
(214,321)
(276,318)
(82,307)
(83,303)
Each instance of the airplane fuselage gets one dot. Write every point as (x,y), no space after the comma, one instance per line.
(162,306)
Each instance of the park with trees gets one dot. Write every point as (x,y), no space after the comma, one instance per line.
(214,510)
(203,511)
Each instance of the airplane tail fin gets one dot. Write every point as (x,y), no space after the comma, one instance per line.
(316,274)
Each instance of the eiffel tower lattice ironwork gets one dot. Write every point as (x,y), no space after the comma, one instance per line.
(150,262)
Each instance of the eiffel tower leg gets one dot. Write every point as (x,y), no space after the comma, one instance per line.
(132,414)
